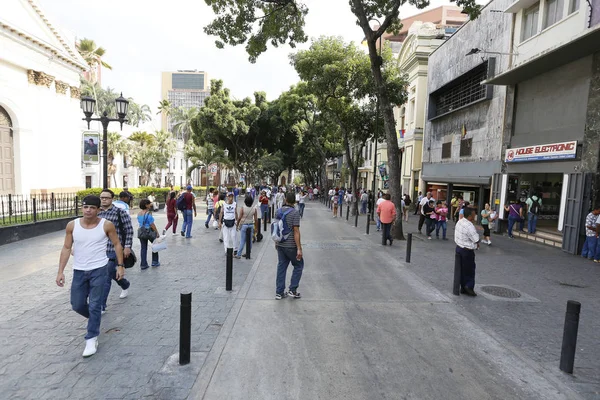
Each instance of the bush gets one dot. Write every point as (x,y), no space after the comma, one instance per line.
(141,192)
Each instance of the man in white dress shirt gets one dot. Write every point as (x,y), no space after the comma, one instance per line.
(467,241)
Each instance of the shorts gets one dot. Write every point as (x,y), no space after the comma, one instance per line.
(486,229)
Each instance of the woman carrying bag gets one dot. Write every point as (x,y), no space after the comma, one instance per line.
(147,231)
(247,220)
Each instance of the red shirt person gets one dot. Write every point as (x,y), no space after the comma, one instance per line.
(387,215)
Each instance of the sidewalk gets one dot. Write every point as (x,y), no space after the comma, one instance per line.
(367,327)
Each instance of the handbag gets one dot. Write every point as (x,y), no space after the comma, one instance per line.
(146,233)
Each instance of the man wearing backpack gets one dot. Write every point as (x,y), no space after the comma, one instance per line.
(534,205)
(188,218)
(289,249)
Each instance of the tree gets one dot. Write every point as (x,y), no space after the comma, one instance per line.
(203,156)
(282,21)
(116,145)
(151,152)
(92,55)
(271,166)
(164,106)
(183,117)
(137,114)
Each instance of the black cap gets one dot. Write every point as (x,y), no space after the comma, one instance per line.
(125,194)
(91,201)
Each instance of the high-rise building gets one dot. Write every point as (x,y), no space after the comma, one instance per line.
(184,88)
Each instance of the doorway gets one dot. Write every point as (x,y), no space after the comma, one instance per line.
(7,160)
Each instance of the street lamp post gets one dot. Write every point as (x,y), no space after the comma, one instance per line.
(88,105)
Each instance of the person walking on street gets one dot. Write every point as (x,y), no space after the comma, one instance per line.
(364,200)
(172,215)
(289,250)
(263,199)
(188,217)
(146,220)
(591,236)
(210,207)
(534,206)
(229,216)
(377,204)
(428,211)
(441,211)
(341,196)
(486,218)
(279,198)
(461,212)
(248,219)
(407,203)
(301,203)
(87,238)
(422,218)
(418,205)
(460,204)
(515,214)
(386,213)
(335,203)
(467,241)
(122,221)
(124,201)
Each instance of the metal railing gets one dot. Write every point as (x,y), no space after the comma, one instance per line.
(17,209)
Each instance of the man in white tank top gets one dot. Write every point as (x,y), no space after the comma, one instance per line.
(88,236)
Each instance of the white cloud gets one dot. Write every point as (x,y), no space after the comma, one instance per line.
(143,38)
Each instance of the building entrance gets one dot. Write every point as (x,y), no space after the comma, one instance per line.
(548,187)
(7,161)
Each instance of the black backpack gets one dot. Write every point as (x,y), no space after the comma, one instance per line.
(535,206)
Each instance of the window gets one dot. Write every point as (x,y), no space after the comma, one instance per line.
(554,12)
(140,181)
(530,22)
(88,182)
(181,164)
(573,6)
(447,150)
(462,91)
(465,147)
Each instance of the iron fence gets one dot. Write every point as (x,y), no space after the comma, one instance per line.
(16,209)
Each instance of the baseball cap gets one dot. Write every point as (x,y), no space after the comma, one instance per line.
(124,194)
(189,187)
(91,200)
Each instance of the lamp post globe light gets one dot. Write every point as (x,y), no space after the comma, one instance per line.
(88,105)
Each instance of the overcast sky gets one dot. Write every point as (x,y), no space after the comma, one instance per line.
(144,37)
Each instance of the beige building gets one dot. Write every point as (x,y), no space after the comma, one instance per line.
(422,39)
(183,88)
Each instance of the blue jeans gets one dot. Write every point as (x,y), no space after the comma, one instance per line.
(467,267)
(363,207)
(511,223)
(264,211)
(285,256)
(531,222)
(301,209)
(243,230)
(87,290)
(112,275)
(188,219)
(378,222)
(589,247)
(210,214)
(144,254)
(443,225)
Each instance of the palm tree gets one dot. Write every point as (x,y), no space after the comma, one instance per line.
(116,145)
(138,113)
(164,106)
(92,56)
(183,122)
(203,156)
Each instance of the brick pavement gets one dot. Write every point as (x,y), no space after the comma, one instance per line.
(41,338)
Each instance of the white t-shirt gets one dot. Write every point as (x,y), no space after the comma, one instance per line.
(379,201)
(424,201)
(229,211)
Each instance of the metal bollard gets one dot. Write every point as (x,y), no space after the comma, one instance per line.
(408,247)
(368,222)
(457,275)
(355,220)
(265,221)
(248,243)
(229,270)
(569,343)
(347,212)
(185,328)
(341,207)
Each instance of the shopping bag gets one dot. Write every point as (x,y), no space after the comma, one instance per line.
(159,244)
(215,224)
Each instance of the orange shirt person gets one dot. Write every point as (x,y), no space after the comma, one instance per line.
(387,215)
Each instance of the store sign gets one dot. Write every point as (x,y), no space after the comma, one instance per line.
(544,152)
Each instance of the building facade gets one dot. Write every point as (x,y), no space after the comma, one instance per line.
(184,88)
(465,119)
(40,115)
(552,124)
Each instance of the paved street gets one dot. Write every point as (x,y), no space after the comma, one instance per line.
(369,326)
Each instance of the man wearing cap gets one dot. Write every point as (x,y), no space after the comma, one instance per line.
(123,202)
(227,220)
(188,218)
(87,236)
(122,222)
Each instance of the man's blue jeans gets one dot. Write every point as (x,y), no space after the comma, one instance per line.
(531,222)
(211,211)
(112,275)
(243,230)
(443,225)
(188,219)
(363,209)
(589,247)
(87,290)
(287,255)
(301,209)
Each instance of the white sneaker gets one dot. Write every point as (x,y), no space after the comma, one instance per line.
(174,233)
(91,346)
(489,242)
(103,312)
(124,293)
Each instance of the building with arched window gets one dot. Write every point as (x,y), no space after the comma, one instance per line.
(40,117)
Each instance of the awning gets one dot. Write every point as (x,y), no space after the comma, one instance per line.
(587,43)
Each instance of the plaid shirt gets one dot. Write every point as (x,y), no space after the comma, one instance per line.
(112,215)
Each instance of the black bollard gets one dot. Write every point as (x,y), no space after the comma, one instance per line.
(457,275)
(273,208)
(259,224)
(408,247)
(341,207)
(355,220)
(248,243)
(347,212)
(267,216)
(229,269)
(368,222)
(185,328)
(569,343)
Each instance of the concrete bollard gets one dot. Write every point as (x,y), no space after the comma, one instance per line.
(185,328)
(248,243)
(229,270)
(368,222)
(408,247)
(569,343)
(457,275)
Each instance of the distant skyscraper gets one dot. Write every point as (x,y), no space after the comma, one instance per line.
(184,88)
